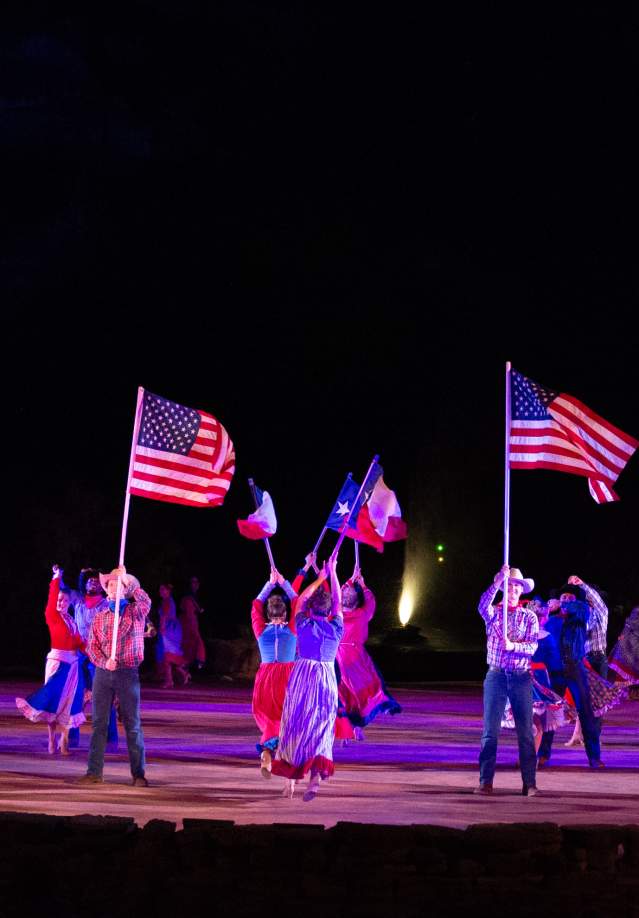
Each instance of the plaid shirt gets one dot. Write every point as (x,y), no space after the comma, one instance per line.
(130,643)
(523,630)
(598,621)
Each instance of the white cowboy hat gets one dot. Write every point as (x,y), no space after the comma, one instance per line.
(515,576)
(129,582)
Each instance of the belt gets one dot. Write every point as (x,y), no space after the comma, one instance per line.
(508,672)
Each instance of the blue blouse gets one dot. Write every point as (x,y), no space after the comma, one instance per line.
(318,638)
(277,644)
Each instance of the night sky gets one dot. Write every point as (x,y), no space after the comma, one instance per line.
(330,229)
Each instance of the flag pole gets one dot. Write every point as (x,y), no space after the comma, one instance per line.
(125,520)
(325,529)
(342,534)
(507,498)
(356,544)
(267,544)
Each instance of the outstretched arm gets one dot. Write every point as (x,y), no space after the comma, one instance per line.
(51,612)
(486,608)
(336,590)
(306,594)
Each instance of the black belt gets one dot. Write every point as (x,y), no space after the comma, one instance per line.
(508,672)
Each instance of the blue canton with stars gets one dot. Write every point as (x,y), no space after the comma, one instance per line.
(167,426)
(529,400)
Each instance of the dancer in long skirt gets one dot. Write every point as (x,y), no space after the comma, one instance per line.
(170,660)
(310,707)
(274,630)
(361,689)
(59,702)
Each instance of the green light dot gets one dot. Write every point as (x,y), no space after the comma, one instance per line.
(439,547)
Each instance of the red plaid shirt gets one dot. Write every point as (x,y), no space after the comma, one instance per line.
(130,643)
(523,630)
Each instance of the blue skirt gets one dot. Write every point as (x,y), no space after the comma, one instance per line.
(60,699)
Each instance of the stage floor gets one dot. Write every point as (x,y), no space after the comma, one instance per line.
(417,767)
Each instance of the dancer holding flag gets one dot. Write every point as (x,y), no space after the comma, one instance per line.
(372,515)
(178,455)
(116,671)
(310,707)
(274,628)
(362,692)
(275,632)
(509,675)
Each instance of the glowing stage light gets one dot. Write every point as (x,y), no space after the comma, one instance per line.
(406,605)
(440,558)
(439,547)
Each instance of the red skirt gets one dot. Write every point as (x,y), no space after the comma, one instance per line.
(268,697)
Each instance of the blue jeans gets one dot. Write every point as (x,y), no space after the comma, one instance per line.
(576,680)
(498,686)
(74,733)
(126,684)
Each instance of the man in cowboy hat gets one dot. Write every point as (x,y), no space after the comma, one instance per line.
(118,674)
(508,677)
(579,626)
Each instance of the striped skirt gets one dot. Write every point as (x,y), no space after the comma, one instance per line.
(61,698)
(308,721)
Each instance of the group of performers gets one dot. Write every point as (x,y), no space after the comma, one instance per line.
(316,682)
(547,667)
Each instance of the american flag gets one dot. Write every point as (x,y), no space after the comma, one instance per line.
(551,430)
(181,455)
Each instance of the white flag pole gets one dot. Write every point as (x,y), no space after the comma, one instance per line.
(356,544)
(125,520)
(342,534)
(507,498)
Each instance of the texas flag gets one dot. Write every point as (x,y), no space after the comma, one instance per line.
(262,524)
(377,514)
(380,519)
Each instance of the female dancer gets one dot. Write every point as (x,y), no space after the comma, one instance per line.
(310,707)
(59,702)
(277,642)
(362,693)
(172,664)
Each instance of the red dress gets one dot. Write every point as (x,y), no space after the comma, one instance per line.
(362,693)
(277,648)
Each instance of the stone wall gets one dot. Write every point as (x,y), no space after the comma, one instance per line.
(95,866)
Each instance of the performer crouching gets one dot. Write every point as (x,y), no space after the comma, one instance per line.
(310,707)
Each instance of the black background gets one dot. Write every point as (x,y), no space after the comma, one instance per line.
(330,228)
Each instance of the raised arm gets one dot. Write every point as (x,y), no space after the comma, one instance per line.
(486,608)
(310,589)
(368,609)
(141,602)
(598,608)
(258,619)
(336,590)
(51,614)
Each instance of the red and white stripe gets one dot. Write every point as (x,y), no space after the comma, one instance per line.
(577,441)
(199,479)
